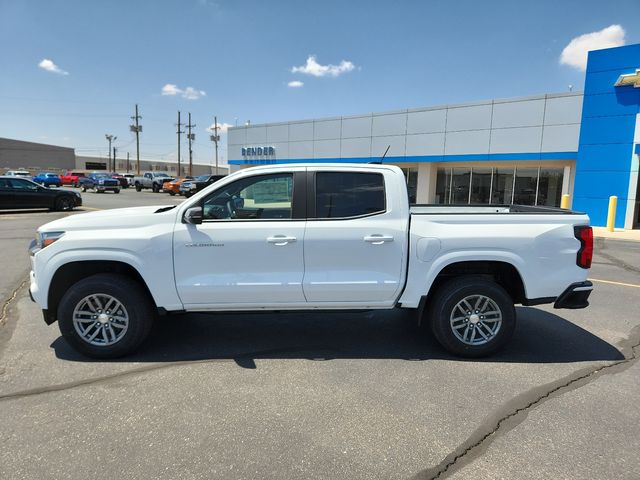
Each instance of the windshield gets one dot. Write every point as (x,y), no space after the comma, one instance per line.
(161,175)
(202,178)
(101,175)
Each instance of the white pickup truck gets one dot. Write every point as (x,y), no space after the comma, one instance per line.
(308,237)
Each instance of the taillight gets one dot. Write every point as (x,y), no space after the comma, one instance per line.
(585,254)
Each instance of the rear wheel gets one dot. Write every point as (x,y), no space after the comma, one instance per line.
(117,190)
(138,187)
(472,316)
(84,189)
(154,188)
(105,316)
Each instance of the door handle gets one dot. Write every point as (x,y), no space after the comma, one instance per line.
(280,240)
(377,239)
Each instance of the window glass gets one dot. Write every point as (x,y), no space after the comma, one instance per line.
(502,186)
(411,175)
(349,194)
(480,185)
(23,184)
(252,198)
(4,183)
(550,186)
(443,185)
(525,186)
(460,185)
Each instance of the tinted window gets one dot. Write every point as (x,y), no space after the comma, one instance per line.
(253,198)
(346,194)
(23,184)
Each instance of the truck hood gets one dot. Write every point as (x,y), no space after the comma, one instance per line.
(111,219)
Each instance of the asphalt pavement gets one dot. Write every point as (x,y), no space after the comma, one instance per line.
(344,395)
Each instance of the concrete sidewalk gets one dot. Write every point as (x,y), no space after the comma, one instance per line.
(618,234)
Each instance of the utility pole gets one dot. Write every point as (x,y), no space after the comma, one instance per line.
(137,128)
(128,164)
(215,138)
(191,137)
(179,132)
(110,138)
(112,170)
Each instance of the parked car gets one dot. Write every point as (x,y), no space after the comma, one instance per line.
(194,186)
(129,177)
(100,182)
(72,178)
(48,179)
(152,180)
(173,186)
(18,173)
(124,183)
(344,238)
(16,192)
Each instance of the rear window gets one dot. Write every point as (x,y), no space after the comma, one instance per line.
(349,194)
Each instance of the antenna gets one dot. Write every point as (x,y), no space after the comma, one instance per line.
(379,162)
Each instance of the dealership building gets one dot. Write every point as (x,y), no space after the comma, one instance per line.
(526,150)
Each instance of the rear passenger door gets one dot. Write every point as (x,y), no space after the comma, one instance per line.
(355,243)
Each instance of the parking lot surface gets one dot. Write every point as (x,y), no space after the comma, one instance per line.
(344,395)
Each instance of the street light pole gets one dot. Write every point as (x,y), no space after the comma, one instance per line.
(215,138)
(110,138)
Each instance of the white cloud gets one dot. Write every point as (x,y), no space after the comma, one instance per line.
(312,67)
(575,54)
(222,127)
(295,84)
(49,66)
(189,93)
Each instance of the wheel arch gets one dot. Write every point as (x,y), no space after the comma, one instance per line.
(72,272)
(503,273)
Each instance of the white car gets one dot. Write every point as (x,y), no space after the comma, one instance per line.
(18,173)
(308,237)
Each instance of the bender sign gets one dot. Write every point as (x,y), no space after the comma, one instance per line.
(258,151)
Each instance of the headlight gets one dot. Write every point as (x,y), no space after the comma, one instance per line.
(44,239)
(101,180)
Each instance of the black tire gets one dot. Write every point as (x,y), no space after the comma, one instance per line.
(76,185)
(117,190)
(84,189)
(138,187)
(187,194)
(445,305)
(129,293)
(172,193)
(64,204)
(154,188)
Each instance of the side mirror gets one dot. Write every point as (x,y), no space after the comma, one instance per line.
(193,216)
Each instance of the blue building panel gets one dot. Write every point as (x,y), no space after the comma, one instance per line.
(606,134)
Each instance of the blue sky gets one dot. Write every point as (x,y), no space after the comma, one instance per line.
(370,56)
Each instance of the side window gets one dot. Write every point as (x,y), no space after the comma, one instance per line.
(23,184)
(4,183)
(349,194)
(253,198)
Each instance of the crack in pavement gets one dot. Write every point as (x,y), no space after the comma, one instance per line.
(518,407)
(7,303)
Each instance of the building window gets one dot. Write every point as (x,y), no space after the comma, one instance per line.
(411,174)
(484,185)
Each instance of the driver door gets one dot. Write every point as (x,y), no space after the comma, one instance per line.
(248,251)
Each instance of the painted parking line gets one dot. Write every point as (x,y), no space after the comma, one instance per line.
(633,285)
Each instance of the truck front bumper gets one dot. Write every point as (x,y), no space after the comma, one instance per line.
(575,296)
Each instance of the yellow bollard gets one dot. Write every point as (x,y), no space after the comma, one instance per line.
(564,203)
(611,216)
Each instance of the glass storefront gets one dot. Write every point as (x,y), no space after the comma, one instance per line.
(411,175)
(489,185)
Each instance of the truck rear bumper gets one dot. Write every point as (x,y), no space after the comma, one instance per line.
(575,296)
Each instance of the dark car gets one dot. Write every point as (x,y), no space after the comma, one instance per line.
(100,182)
(124,183)
(24,193)
(188,188)
(48,179)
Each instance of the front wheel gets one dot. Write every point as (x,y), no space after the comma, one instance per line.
(84,189)
(105,316)
(117,190)
(138,187)
(64,204)
(472,316)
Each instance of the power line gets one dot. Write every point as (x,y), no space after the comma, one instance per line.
(137,128)
(179,132)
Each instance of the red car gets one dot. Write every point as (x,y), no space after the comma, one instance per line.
(72,178)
